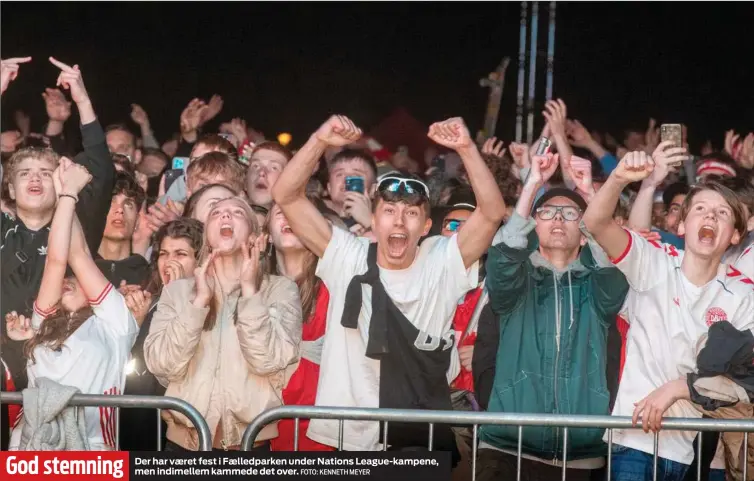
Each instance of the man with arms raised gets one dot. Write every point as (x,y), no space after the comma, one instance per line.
(414,289)
(555,297)
(674,297)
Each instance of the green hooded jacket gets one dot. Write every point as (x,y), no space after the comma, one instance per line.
(552,349)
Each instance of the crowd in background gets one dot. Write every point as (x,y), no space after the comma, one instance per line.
(581,274)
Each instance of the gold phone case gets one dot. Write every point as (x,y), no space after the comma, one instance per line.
(672,133)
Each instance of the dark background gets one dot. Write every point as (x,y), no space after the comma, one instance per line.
(286,66)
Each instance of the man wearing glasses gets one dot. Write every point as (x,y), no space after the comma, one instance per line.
(389,340)
(554,298)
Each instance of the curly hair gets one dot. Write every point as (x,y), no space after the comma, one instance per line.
(182,228)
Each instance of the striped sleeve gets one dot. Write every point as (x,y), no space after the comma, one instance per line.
(110,306)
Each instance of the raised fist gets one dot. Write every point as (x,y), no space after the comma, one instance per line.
(338,131)
(633,167)
(451,133)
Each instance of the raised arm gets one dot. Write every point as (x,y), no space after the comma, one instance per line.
(556,115)
(289,191)
(667,159)
(480,228)
(68,179)
(9,71)
(598,218)
(95,199)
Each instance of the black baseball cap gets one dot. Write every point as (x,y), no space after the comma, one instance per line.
(560,192)
(461,199)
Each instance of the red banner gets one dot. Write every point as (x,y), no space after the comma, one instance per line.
(64,465)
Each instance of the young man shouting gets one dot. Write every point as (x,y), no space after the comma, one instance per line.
(389,339)
(674,297)
(24,239)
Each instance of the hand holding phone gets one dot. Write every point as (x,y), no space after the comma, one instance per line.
(672,133)
(355,184)
(180,163)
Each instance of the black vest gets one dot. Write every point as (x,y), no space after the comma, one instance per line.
(413,365)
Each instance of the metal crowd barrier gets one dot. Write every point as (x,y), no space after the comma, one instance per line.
(130,401)
(475,419)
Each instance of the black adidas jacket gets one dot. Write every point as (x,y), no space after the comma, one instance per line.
(23,252)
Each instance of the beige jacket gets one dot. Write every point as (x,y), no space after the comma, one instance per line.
(232,373)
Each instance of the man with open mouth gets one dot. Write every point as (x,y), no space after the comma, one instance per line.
(675,297)
(394,290)
(24,239)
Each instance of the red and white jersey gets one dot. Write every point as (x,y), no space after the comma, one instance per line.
(744,262)
(667,316)
(93,359)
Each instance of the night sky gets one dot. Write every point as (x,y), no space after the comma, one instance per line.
(286,66)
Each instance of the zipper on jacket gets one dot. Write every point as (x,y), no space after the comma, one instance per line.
(558,304)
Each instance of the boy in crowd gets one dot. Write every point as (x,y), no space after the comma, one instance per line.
(355,208)
(116,259)
(411,290)
(555,298)
(24,238)
(674,297)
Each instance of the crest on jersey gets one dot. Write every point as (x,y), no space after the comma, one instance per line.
(715,314)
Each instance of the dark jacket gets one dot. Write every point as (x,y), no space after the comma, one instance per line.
(138,426)
(24,251)
(552,344)
(134,269)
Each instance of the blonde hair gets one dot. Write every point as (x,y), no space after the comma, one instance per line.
(37,153)
(206,249)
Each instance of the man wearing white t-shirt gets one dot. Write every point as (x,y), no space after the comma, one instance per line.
(419,286)
(675,296)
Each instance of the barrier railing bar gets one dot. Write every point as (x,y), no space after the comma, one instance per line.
(431,435)
(609,454)
(117,429)
(654,462)
(520,450)
(565,455)
(131,401)
(474,448)
(295,434)
(746,455)
(699,458)
(340,435)
(159,429)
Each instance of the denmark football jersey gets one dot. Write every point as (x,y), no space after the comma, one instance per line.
(667,316)
(93,359)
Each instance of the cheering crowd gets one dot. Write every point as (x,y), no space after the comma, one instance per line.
(576,275)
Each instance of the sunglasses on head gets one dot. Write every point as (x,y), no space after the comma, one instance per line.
(409,186)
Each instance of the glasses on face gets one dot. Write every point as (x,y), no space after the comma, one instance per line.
(410,186)
(453,225)
(567,212)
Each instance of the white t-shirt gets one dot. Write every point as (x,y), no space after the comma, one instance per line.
(668,315)
(93,359)
(426,293)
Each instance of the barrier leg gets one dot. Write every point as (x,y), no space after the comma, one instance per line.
(520,448)
(384,437)
(565,455)
(295,435)
(474,445)
(609,454)
(654,467)
(431,435)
